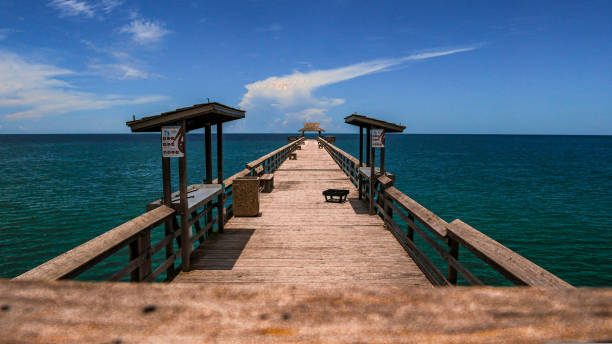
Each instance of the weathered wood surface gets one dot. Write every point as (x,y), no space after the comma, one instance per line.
(300,238)
(91,252)
(426,217)
(512,265)
(76,312)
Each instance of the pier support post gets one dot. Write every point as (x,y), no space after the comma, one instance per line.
(208,177)
(382,160)
(368,144)
(453,250)
(372,180)
(169,228)
(184,207)
(221,200)
(360,187)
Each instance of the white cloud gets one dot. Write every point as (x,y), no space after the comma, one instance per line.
(36,90)
(71,8)
(145,31)
(292,94)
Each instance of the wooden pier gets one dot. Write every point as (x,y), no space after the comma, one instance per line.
(301,239)
(340,272)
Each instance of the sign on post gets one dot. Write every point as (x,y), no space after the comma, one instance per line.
(378,138)
(173,142)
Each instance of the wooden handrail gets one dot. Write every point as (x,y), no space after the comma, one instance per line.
(80,258)
(510,264)
(426,217)
(256,162)
(513,266)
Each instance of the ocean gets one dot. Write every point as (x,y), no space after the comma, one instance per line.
(549,198)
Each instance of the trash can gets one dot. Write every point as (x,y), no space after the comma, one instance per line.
(246,196)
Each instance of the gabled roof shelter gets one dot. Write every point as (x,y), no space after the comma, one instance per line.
(312,127)
(367,172)
(201,195)
(368,122)
(197,116)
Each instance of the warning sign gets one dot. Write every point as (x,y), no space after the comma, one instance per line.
(173,142)
(378,138)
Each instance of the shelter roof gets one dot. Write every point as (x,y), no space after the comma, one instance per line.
(311,127)
(196,117)
(368,122)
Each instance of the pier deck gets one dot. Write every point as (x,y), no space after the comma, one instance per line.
(301,239)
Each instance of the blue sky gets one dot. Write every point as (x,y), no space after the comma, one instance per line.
(532,67)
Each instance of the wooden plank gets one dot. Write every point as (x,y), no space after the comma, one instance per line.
(426,217)
(512,265)
(80,256)
(299,238)
(76,312)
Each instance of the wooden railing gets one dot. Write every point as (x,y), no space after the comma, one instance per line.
(444,238)
(136,234)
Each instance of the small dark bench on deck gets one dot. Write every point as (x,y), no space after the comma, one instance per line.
(266,180)
(331,193)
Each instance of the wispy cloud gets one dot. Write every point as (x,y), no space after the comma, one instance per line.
(292,94)
(145,31)
(270,28)
(121,71)
(31,90)
(4,33)
(73,8)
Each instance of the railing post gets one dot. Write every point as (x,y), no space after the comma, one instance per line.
(141,245)
(169,229)
(453,251)
(372,182)
(410,231)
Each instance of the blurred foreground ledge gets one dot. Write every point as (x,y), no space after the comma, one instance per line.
(68,311)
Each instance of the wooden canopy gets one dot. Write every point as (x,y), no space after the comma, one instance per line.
(196,117)
(373,123)
(311,127)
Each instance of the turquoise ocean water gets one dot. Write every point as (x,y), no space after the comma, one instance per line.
(547,197)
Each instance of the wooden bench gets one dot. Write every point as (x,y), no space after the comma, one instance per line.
(266,180)
(331,193)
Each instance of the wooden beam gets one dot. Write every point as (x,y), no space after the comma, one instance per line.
(184,207)
(77,312)
(509,263)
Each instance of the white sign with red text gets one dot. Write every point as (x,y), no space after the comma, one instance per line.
(173,142)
